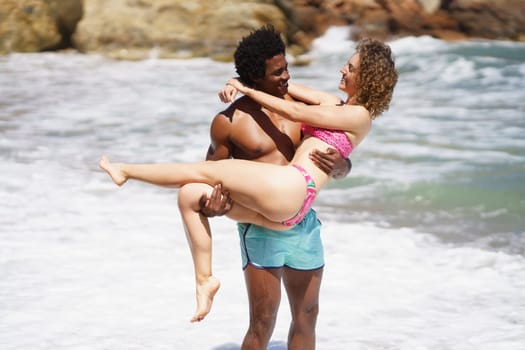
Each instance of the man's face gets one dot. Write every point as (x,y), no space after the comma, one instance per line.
(275,80)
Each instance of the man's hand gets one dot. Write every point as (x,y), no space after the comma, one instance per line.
(331,162)
(218,204)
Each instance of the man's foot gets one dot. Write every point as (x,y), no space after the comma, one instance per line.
(205,293)
(113,170)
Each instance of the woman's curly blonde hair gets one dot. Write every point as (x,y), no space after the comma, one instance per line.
(376,77)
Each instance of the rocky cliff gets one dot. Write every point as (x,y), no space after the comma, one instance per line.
(136,29)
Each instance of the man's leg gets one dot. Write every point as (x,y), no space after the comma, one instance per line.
(302,288)
(264,296)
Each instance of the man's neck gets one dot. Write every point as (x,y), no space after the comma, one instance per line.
(256,87)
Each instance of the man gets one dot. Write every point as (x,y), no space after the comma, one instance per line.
(246,130)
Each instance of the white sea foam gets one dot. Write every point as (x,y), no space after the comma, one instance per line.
(109,268)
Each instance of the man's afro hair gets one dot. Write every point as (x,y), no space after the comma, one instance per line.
(253,51)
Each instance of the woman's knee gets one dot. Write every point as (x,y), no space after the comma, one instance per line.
(189,195)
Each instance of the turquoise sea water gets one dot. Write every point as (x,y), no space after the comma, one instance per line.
(428,229)
(449,155)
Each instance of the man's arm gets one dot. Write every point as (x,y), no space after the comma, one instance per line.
(220,146)
(331,162)
(219,202)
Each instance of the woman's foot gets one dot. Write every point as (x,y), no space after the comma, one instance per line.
(205,293)
(113,170)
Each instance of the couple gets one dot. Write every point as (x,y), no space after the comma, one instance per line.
(264,126)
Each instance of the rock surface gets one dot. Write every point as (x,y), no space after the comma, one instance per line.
(37,25)
(137,29)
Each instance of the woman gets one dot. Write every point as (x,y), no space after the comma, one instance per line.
(279,196)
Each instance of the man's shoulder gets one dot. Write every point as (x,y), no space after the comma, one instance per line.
(239,111)
(243,107)
(244,103)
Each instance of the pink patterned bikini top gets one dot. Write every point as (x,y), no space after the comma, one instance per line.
(335,138)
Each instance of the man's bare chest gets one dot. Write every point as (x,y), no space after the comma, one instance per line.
(255,138)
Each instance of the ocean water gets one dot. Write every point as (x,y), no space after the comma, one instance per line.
(424,240)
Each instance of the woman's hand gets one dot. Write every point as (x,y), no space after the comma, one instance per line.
(228,93)
(233,86)
(237,84)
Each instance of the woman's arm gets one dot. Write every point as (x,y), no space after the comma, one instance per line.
(347,118)
(311,96)
(298,92)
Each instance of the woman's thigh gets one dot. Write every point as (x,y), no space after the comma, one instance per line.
(277,192)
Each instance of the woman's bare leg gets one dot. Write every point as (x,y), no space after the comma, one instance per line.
(239,213)
(198,234)
(113,170)
(199,238)
(277,192)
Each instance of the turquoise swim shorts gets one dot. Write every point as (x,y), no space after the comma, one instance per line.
(299,248)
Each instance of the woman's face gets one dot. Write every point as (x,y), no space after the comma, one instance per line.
(349,75)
